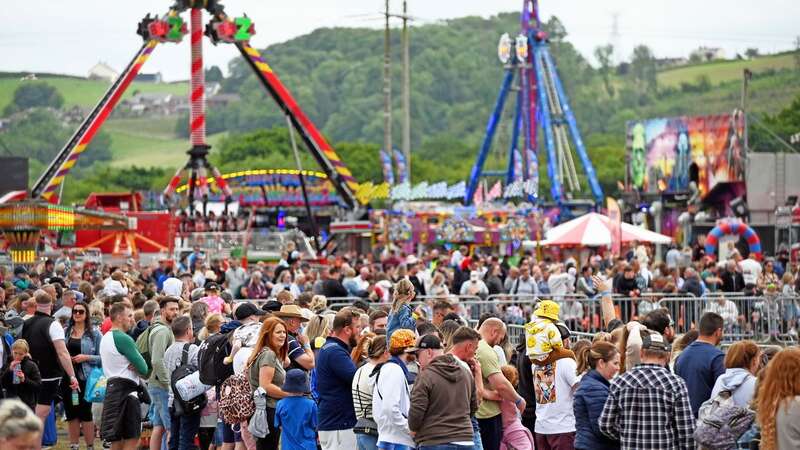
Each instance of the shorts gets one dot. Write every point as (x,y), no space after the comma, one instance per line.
(121,419)
(159,407)
(229,435)
(49,392)
(83,410)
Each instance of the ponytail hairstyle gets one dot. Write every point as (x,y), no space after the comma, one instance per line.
(581,348)
(403,293)
(601,350)
(361,350)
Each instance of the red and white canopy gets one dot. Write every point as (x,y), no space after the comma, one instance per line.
(594,230)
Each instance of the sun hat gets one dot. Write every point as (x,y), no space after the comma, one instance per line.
(291,312)
(295,381)
(547,308)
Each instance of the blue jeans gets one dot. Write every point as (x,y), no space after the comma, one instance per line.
(447,447)
(367,442)
(389,446)
(183,431)
(476,434)
(159,408)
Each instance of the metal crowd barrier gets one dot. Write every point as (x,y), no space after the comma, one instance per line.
(769,319)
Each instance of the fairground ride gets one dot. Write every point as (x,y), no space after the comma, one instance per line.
(171,28)
(198,173)
(541,104)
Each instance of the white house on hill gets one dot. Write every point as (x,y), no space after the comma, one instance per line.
(102,71)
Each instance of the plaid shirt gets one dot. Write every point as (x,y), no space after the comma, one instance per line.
(648,408)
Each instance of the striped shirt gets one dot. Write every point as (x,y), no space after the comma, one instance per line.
(363,385)
(648,408)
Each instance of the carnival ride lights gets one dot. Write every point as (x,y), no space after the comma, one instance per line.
(541,102)
(171,28)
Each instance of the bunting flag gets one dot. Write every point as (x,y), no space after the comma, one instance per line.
(513,190)
(402,167)
(495,192)
(386,165)
(457,190)
(401,191)
(478,198)
(533,165)
(420,191)
(438,190)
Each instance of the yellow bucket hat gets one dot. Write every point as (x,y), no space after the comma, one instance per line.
(547,308)
(402,338)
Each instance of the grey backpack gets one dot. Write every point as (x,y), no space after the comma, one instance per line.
(720,422)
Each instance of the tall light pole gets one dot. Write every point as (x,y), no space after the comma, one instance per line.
(387,87)
(406,92)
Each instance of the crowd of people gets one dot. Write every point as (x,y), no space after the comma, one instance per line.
(377,351)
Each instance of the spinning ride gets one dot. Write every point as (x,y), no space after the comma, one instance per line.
(541,103)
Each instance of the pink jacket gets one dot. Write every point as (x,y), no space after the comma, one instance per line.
(515,435)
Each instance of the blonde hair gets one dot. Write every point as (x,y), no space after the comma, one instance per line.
(21,344)
(403,293)
(319,326)
(17,419)
(318,303)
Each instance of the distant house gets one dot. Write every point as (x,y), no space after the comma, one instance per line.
(663,63)
(154,103)
(707,54)
(222,100)
(102,71)
(149,78)
(29,77)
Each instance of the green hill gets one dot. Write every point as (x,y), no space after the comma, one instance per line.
(728,70)
(81,91)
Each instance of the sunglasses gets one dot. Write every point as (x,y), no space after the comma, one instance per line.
(76,312)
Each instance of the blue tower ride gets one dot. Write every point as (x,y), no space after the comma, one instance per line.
(542,104)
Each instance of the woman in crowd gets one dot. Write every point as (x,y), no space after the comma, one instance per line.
(742,363)
(439,286)
(366,429)
(21,378)
(21,429)
(779,402)
(603,360)
(285,283)
(83,344)
(266,371)
(256,289)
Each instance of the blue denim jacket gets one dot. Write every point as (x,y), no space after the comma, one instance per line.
(90,345)
(402,319)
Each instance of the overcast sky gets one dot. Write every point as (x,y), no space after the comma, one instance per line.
(71,36)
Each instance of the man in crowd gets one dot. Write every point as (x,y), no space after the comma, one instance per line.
(441,308)
(492,332)
(524,284)
(443,399)
(184,425)
(732,279)
(378,320)
(122,366)
(727,310)
(159,338)
(149,309)
(236,277)
(701,363)
(300,353)
(648,406)
(464,344)
(48,348)
(332,286)
(335,371)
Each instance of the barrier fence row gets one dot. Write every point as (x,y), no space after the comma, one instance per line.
(765,318)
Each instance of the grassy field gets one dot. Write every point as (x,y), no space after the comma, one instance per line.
(148,142)
(83,92)
(722,71)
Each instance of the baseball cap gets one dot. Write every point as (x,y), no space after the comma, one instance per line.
(246,310)
(212,287)
(653,340)
(429,341)
(564,330)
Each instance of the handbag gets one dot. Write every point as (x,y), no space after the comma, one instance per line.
(366,426)
(95,386)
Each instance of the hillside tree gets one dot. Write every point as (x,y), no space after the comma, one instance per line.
(35,95)
(604,55)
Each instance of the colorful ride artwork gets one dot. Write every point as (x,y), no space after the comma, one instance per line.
(733,227)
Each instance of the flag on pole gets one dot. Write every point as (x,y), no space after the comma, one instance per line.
(518,174)
(402,167)
(615,217)
(386,165)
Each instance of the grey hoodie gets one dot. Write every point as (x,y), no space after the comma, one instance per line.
(739,381)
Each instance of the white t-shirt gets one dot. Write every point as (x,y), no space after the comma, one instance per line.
(553,388)
(751,270)
(56,331)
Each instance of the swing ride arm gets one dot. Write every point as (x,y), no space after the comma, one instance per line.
(549,141)
(491,128)
(569,116)
(337,172)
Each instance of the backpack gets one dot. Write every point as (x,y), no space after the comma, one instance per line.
(236,397)
(720,422)
(210,359)
(143,345)
(196,404)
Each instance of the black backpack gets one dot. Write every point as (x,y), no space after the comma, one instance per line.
(184,407)
(213,370)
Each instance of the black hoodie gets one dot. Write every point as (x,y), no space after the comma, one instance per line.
(442,401)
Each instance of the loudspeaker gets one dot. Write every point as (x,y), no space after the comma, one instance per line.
(739,208)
